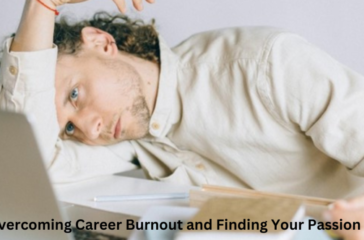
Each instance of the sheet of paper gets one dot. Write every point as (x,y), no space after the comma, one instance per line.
(160,214)
(82,193)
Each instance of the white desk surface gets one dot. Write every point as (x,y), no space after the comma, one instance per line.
(82,193)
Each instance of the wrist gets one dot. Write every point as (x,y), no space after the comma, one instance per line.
(43,5)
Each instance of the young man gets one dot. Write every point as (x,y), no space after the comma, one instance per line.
(257,108)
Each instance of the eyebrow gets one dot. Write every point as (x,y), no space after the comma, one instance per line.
(66,98)
(70,84)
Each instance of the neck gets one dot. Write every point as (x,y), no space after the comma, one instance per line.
(149,74)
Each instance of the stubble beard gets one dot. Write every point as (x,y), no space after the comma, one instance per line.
(141,114)
(139,109)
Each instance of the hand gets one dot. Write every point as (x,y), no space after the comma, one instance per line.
(138,4)
(349,211)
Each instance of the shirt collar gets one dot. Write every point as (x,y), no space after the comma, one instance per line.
(166,107)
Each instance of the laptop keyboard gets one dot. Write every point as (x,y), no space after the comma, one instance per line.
(89,235)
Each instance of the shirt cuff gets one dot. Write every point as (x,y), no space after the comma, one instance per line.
(28,71)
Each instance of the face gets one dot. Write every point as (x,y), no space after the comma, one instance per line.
(99,98)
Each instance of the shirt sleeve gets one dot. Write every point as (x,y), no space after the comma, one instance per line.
(27,86)
(307,91)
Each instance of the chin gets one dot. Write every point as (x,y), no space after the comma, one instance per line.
(136,133)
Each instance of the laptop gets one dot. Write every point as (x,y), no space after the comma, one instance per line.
(28,206)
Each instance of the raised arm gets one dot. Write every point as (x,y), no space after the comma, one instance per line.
(35,31)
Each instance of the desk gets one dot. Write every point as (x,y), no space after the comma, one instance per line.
(80,196)
(80,205)
(82,193)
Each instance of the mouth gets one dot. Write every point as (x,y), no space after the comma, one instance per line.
(117,130)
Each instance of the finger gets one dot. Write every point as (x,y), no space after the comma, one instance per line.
(340,204)
(346,216)
(60,2)
(150,1)
(138,4)
(76,1)
(353,203)
(357,202)
(121,5)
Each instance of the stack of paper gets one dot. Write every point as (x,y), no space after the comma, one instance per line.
(234,218)
(314,206)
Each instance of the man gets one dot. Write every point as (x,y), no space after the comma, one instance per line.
(248,107)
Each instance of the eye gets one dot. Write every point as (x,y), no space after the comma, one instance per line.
(70,128)
(74,94)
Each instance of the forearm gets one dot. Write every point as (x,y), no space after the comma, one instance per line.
(35,31)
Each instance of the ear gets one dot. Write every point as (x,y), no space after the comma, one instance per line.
(95,39)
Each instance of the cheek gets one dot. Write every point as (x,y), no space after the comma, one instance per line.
(111,99)
(125,86)
(121,93)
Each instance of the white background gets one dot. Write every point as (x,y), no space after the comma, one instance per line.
(334,25)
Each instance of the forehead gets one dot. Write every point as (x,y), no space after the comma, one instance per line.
(65,66)
(84,63)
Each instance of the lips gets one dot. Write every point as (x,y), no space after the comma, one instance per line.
(117,129)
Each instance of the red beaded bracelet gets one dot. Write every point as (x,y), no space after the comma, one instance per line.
(53,10)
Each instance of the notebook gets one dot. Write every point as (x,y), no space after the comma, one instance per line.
(27,202)
(314,206)
(235,218)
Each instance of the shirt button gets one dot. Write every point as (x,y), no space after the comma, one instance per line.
(13,70)
(200,166)
(155,126)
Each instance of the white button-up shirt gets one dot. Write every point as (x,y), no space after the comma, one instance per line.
(248,107)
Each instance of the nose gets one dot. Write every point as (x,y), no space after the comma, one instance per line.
(89,123)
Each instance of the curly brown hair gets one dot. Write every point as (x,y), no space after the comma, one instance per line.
(132,36)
